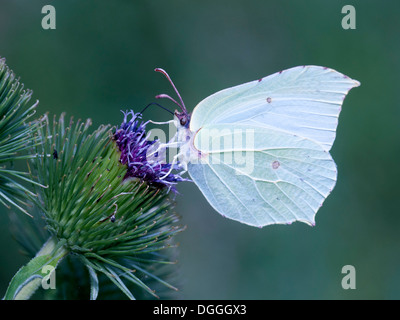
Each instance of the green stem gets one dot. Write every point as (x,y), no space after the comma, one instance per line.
(28,279)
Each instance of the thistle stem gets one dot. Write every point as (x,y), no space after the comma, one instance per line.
(31,276)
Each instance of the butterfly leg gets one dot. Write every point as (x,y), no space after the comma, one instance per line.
(165,122)
(172,143)
(162,147)
(174,161)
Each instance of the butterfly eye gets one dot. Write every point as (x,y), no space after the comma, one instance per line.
(183,121)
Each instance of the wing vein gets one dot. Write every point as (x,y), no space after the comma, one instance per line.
(229,189)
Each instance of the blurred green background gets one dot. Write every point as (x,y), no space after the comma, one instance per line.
(100,59)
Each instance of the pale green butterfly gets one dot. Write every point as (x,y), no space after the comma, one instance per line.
(259,151)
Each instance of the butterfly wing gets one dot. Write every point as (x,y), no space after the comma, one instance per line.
(305,101)
(265,145)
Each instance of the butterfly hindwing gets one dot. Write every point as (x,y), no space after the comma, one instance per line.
(260,176)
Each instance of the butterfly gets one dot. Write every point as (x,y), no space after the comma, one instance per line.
(259,151)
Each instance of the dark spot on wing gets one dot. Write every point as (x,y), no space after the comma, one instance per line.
(275,164)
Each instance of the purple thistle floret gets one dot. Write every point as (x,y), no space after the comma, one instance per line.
(132,142)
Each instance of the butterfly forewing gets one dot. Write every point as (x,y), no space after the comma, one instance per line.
(305,101)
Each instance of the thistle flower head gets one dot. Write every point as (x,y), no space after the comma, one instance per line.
(121,228)
(141,155)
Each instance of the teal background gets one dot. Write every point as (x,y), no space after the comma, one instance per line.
(100,59)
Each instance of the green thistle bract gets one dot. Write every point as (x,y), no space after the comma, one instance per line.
(118,227)
(16,137)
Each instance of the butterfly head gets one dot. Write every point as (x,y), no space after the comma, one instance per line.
(183,118)
(185,137)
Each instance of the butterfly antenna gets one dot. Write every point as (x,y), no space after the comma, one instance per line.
(154,103)
(159,96)
(182,105)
